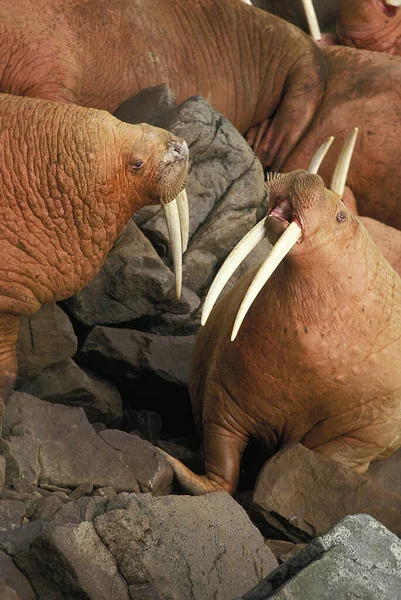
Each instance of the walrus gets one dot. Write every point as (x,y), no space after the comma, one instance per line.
(370,25)
(249,65)
(71,178)
(316,359)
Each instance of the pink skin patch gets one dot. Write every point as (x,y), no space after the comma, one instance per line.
(388,10)
(282,210)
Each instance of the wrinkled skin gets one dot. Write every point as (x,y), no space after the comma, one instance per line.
(69,183)
(386,238)
(292,11)
(363,90)
(369,25)
(316,360)
(96,53)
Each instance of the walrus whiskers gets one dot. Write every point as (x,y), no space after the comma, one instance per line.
(312,19)
(171,213)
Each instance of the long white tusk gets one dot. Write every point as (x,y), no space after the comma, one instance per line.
(341,171)
(312,20)
(233,260)
(183,211)
(319,155)
(282,247)
(174,229)
(393,2)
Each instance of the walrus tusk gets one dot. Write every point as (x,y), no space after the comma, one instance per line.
(341,171)
(393,2)
(173,224)
(319,156)
(312,20)
(282,247)
(183,211)
(233,260)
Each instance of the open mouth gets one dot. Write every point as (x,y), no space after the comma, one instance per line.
(282,210)
(390,10)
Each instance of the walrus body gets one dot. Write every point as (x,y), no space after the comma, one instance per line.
(98,54)
(317,359)
(70,180)
(362,90)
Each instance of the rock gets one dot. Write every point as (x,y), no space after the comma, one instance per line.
(72,558)
(184,547)
(358,558)
(149,106)
(2,473)
(85,489)
(71,452)
(11,514)
(6,593)
(14,579)
(133,282)
(44,339)
(105,492)
(126,353)
(225,189)
(300,494)
(46,508)
(387,473)
(146,423)
(67,383)
(152,471)
(283,550)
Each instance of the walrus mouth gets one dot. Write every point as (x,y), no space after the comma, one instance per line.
(283,211)
(389,7)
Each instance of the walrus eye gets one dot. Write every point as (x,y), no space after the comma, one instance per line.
(136,165)
(341,217)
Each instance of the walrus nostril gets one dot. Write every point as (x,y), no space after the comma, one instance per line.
(178,150)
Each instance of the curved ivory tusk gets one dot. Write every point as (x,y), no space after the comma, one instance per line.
(173,224)
(183,211)
(341,171)
(312,19)
(282,247)
(319,155)
(233,260)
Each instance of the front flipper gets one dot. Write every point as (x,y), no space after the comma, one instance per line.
(223,451)
(302,94)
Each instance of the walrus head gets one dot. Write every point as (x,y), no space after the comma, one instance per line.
(158,165)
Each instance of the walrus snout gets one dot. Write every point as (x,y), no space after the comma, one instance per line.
(177,150)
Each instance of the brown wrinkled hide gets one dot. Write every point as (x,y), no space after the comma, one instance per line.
(243,61)
(317,357)
(362,90)
(369,25)
(67,188)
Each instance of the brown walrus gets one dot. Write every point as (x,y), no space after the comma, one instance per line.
(317,357)
(71,178)
(248,64)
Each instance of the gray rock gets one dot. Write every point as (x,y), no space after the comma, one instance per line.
(73,559)
(300,493)
(70,451)
(14,579)
(149,106)
(151,469)
(225,190)
(147,423)
(11,514)
(387,473)
(357,559)
(2,473)
(132,283)
(44,339)
(133,354)
(7,593)
(46,508)
(184,547)
(85,489)
(67,383)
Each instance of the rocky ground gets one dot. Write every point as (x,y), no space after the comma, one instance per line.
(88,506)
